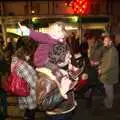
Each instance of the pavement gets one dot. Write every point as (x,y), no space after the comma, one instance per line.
(97,112)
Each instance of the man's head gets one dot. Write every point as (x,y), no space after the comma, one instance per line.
(107,41)
(91,38)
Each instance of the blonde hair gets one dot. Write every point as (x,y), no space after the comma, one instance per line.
(62,26)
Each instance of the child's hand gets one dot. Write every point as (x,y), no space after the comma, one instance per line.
(23,30)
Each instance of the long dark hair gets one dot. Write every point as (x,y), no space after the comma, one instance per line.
(26,49)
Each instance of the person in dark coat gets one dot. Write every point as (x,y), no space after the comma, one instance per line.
(4,70)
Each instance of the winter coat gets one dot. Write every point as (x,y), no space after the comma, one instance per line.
(109,66)
(95,52)
(46,42)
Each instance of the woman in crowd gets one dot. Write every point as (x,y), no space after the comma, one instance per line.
(26,71)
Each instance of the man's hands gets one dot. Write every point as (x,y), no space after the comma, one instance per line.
(23,30)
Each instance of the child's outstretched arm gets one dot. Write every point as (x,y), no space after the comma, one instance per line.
(37,36)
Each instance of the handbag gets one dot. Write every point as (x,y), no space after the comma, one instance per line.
(16,84)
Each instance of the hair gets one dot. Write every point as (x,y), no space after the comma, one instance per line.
(20,53)
(63,28)
(28,48)
(111,36)
(90,34)
(62,25)
(20,42)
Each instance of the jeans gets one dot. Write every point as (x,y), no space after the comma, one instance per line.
(109,91)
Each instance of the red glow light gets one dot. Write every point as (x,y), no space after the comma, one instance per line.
(79,6)
(84,6)
(66,4)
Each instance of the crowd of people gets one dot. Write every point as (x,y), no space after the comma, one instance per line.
(52,63)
